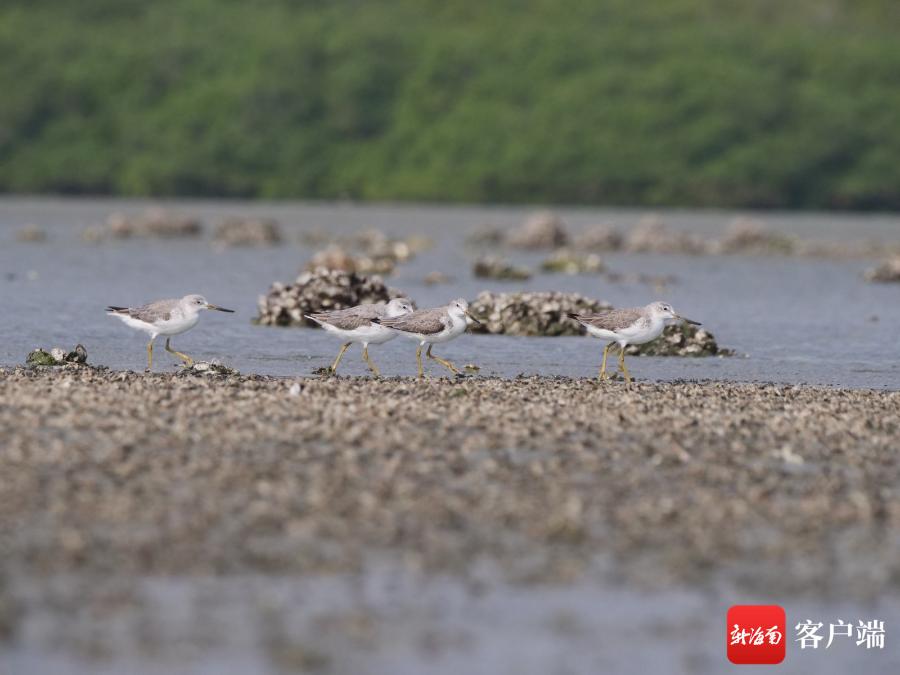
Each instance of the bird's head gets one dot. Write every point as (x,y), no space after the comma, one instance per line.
(460,309)
(664,311)
(398,307)
(195,303)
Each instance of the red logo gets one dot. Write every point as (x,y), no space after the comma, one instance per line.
(756,634)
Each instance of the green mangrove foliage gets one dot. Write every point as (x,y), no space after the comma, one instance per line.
(659,102)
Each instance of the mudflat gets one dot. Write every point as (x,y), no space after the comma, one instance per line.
(791,489)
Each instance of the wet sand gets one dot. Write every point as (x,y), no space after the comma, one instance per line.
(124,491)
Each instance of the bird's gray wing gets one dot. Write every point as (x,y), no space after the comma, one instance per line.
(152,312)
(350,318)
(613,320)
(423,322)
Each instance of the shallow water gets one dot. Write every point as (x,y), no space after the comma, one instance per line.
(390,620)
(792,320)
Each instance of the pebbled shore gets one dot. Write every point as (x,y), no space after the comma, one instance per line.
(792,488)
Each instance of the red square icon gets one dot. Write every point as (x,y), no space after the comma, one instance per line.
(756,634)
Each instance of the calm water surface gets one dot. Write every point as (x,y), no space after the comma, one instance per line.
(792,320)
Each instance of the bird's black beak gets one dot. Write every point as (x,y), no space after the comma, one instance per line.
(473,318)
(219,309)
(691,321)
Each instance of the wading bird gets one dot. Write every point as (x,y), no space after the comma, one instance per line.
(624,327)
(433,326)
(165,317)
(357,324)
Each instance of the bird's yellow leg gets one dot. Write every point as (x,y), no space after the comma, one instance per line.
(150,355)
(368,361)
(444,362)
(622,365)
(419,361)
(340,355)
(184,357)
(603,375)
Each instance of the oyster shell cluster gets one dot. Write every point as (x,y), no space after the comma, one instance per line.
(157,223)
(57,357)
(32,234)
(540,231)
(885,272)
(369,251)
(492,267)
(681,340)
(247,232)
(571,261)
(318,291)
(650,234)
(531,313)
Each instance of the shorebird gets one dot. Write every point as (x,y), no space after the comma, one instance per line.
(358,324)
(165,317)
(431,326)
(634,326)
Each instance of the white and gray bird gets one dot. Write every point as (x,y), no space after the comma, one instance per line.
(358,324)
(165,317)
(433,326)
(634,326)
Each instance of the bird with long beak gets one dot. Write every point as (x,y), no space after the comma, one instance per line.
(635,326)
(356,324)
(165,317)
(432,326)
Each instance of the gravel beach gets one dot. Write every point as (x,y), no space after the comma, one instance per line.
(776,487)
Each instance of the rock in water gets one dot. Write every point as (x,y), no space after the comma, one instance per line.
(77,355)
(434,278)
(886,272)
(207,368)
(568,261)
(650,235)
(485,235)
(322,290)
(57,357)
(336,258)
(600,237)
(368,251)
(31,233)
(247,232)
(490,267)
(531,314)
(153,222)
(542,230)
(681,340)
(41,358)
(749,236)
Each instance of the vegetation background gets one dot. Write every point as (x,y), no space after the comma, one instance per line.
(761,103)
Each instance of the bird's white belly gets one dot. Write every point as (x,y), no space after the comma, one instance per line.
(176,326)
(372,334)
(632,335)
(638,335)
(171,327)
(454,330)
(603,333)
(135,323)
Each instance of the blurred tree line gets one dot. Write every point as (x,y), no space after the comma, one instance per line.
(670,102)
